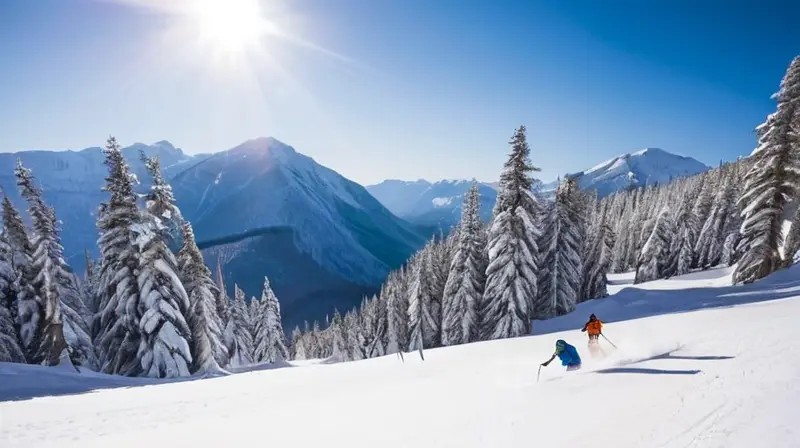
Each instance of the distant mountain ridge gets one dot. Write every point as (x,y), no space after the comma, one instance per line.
(439,203)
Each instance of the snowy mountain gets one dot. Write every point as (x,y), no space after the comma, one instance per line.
(72,182)
(265,209)
(715,367)
(261,207)
(646,167)
(434,206)
(439,204)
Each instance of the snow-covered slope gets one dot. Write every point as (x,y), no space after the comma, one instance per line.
(425,203)
(723,374)
(268,210)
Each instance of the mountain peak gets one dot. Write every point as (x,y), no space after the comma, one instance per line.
(269,147)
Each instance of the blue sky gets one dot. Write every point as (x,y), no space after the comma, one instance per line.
(407,89)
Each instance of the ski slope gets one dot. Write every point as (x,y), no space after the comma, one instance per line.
(709,365)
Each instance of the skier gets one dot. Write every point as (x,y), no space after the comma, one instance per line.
(567,354)
(594,328)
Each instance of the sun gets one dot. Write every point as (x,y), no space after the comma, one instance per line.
(229,26)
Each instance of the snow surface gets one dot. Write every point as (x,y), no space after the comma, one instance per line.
(723,375)
(441,202)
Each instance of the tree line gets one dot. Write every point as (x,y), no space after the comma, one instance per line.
(538,259)
(144,308)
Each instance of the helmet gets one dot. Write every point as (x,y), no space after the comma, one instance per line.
(560,344)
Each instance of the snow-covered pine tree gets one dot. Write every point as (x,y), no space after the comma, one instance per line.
(598,260)
(270,340)
(709,242)
(773,180)
(701,209)
(396,312)
(238,339)
(561,268)
(298,347)
(28,311)
(209,353)
(623,231)
(423,327)
(655,252)
(464,289)
(338,344)
(10,344)
(163,304)
(682,246)
(254,310)
(89,285)
(63,319)
(222,301)
(728,257)
(354,336)
(116,326)
(511,283)
(376,344)
(160,202)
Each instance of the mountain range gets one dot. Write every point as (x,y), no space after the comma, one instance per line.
(260,209)
(438,204)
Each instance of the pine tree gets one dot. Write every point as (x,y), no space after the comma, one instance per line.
(511,282)
(701,209)
(423,326)
(298,345)
(160,202)
(62,322)
(655,252)
(163,304)
(270,341)
(464,289)
(354,336)
(116,326)
(10,344)
(254,310)
(682,253)
(599,257)
(339,346)
(89,285)
(562,245)
(209,353)
(773,180)
(222,300)
(709,242)
(396,312)
(238,339)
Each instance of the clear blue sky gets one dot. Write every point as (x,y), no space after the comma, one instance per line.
(425,89)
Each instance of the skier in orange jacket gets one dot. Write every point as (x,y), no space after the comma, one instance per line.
(594,327)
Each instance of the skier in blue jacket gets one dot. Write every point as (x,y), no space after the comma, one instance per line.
(567,354)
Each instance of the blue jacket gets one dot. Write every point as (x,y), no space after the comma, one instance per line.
(569,355)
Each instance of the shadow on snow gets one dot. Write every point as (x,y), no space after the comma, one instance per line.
(636,303)
(24,382)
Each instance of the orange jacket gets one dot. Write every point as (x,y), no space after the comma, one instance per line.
(594,327)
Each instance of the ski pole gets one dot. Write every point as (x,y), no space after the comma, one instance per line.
(609,341)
